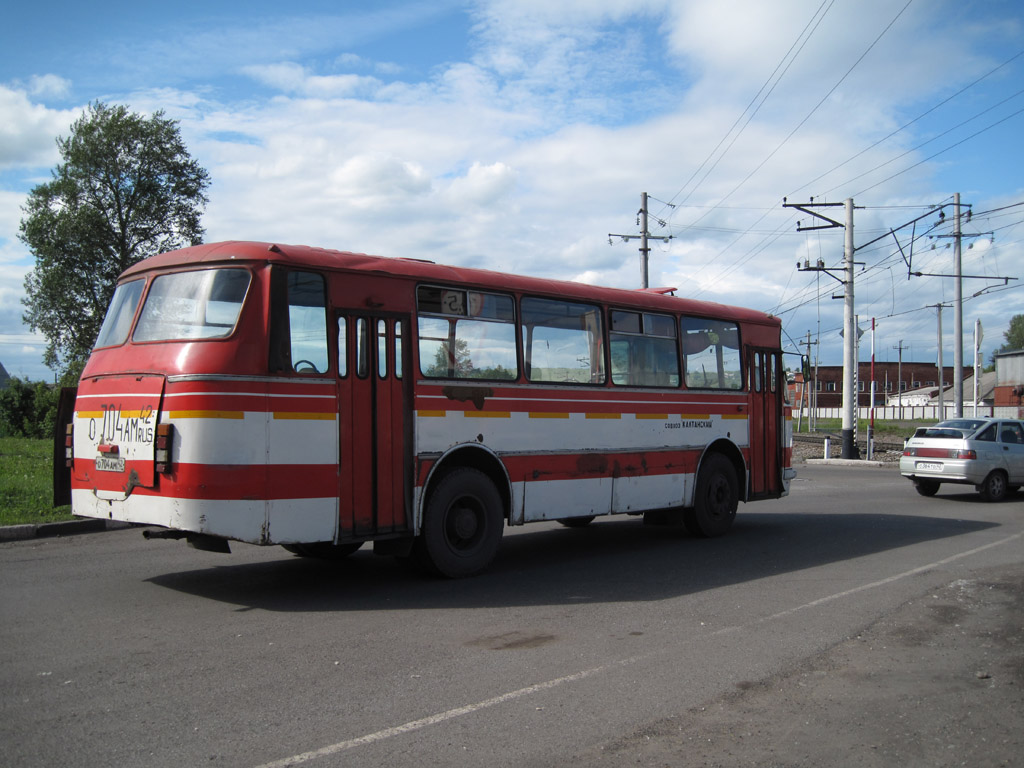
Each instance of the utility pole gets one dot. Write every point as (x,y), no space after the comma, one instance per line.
(850,450)
(899,378)
(809,394)
(942,383)
(978,336)
(958,315)
(942,373)
(644,236)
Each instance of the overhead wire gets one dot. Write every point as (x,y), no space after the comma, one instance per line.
(789,136)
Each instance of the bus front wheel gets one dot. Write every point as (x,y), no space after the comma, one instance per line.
(715,499)
(462,525)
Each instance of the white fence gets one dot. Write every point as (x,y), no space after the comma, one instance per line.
(917,412)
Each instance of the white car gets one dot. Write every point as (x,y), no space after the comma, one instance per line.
(985,453)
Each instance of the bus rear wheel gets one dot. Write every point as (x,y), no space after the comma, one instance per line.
(462,525)
(715,500)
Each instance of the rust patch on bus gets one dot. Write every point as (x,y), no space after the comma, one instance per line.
(133,482)
(475,395)
(592,464)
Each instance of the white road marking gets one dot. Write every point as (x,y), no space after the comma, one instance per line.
(529,690)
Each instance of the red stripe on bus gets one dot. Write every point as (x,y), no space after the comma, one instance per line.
(245,482)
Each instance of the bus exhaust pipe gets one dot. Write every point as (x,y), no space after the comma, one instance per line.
(200,541)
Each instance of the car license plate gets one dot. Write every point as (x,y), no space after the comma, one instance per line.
(928,466)
(110,463)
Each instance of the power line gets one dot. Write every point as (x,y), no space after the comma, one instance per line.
(816,20)
(907,125)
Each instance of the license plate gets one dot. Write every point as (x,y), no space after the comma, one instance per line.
(928,466)
(110,463)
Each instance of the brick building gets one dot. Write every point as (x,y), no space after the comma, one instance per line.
(890,379)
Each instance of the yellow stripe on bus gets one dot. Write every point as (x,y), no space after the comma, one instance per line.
(695,416)
(604,415)
(487,414)
(740,416)
(304,416)
(136,414)
(546,415)
(655,416)
(206,414)
(432,414)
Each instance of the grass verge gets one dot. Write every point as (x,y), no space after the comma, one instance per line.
(26,483)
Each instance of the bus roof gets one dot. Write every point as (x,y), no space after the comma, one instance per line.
(237,251)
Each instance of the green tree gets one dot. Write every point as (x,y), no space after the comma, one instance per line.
(126,189)
(28,409)
(445,365)
(1014,335)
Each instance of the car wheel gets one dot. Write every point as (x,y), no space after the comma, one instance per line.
(927,487)
(994,487)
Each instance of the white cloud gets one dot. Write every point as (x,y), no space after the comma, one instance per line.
(28,130)
(49,85)
(482,186)
(292,78)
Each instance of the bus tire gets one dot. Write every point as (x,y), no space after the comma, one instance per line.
(323,550)
(462,525)
(715,499)
(577,522)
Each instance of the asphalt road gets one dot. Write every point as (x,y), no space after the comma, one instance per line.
(119,651)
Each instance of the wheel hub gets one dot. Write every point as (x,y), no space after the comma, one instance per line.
(464,523)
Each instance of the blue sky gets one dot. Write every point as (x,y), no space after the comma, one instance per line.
(516,134)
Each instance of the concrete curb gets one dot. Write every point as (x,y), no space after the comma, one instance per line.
(848,463)
(64,528)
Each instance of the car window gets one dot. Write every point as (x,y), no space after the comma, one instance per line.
(987,435)
(1010,432)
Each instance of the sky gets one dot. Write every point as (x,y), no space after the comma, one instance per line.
(518,135)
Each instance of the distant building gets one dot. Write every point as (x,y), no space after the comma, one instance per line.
(930,395)
(1009,389)
(4,376)
(890,380)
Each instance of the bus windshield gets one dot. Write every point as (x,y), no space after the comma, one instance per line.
(119,317)
(192,305)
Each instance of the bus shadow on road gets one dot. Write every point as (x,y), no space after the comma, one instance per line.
(615,559)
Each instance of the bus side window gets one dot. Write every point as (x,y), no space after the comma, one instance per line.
(382,349)
(711,353)
(298,334)
(398,349)
(466,334)
(562,341)
(342,347)
(643,349)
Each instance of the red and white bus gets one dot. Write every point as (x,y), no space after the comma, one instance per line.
(278,394)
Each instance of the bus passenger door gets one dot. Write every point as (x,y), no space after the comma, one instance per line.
(375,423)
(766,424)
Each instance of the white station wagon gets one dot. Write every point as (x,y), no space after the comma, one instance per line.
(985,453)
